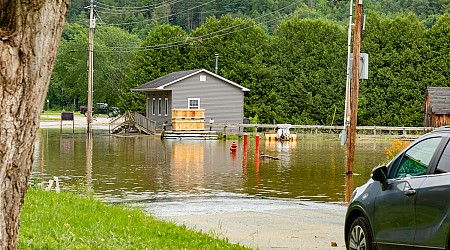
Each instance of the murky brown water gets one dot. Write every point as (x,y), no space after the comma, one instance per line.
(150,169)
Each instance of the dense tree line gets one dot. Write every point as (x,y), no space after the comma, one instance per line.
(294,63)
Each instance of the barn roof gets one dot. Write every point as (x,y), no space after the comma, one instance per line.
(167,80)
(439,100)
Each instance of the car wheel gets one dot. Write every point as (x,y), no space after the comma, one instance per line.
(360,235)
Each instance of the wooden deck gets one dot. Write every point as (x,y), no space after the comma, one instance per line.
(190,135)
(132,122)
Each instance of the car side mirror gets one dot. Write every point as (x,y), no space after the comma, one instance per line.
(380,174)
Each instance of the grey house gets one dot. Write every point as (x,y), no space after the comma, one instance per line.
(222,99)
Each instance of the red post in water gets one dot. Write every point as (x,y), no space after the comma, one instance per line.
(244,164)
(245,142)
(257,146)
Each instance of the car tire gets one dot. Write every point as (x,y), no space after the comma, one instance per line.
(360,235)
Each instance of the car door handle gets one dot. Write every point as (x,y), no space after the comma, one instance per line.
(410,192)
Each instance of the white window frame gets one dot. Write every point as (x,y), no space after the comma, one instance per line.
(154,106)
(159,106)
(166,108)
(193,99)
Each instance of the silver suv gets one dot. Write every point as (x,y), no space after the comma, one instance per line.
(405,204)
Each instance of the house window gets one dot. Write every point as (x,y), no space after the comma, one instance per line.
(166,105)
(154,106)
(159,106)
(193,103)
(202,78)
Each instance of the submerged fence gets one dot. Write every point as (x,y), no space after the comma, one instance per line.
(319,129)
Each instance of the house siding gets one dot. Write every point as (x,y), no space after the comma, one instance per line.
(222,101)
(159,119)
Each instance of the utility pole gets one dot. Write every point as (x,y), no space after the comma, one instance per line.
(354,89)
(347,82)
(90,66)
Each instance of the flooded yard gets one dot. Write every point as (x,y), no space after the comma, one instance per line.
(148,169)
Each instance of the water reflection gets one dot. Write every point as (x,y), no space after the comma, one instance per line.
(349,187)
(89,163)
(147,168)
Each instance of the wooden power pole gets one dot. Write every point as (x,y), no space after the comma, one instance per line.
(90,66)
(354,89)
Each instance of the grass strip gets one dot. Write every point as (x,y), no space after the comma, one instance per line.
(66,220)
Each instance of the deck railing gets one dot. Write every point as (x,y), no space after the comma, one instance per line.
(145,123)
(118,121)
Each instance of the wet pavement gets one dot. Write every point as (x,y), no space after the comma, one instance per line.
(260,223)
(100,122)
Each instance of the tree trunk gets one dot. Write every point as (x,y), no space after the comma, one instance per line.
(30,32)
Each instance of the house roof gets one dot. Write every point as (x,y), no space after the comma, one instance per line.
(167,80)
(439,100)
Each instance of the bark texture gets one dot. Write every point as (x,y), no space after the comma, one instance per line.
(30,31)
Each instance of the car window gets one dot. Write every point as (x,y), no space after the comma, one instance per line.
(415,160)
(444,163)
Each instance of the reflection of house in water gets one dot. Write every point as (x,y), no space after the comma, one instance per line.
(188,164)
(204,164)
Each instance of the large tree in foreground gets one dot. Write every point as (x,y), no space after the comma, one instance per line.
(29,35)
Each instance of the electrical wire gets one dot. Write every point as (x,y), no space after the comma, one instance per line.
(124,7)
(206,35)
(159,18)
(109,9)
(184,42)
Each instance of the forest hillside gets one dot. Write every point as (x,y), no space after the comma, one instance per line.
(292,55)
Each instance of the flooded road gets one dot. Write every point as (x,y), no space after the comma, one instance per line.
(142,169)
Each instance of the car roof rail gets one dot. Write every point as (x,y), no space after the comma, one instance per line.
(442,129)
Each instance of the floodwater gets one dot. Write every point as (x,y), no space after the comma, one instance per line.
(148,169)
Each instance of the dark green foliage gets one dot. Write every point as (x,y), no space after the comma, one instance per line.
(150,64)
(294,65)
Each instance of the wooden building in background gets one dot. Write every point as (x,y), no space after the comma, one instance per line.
(437,106)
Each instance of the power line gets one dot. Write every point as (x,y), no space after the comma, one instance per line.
(165,17)
(109,9)
(123,7)
(205,37)
(183,42)
(189,39)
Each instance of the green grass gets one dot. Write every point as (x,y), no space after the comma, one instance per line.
(69,221)
(58,113)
